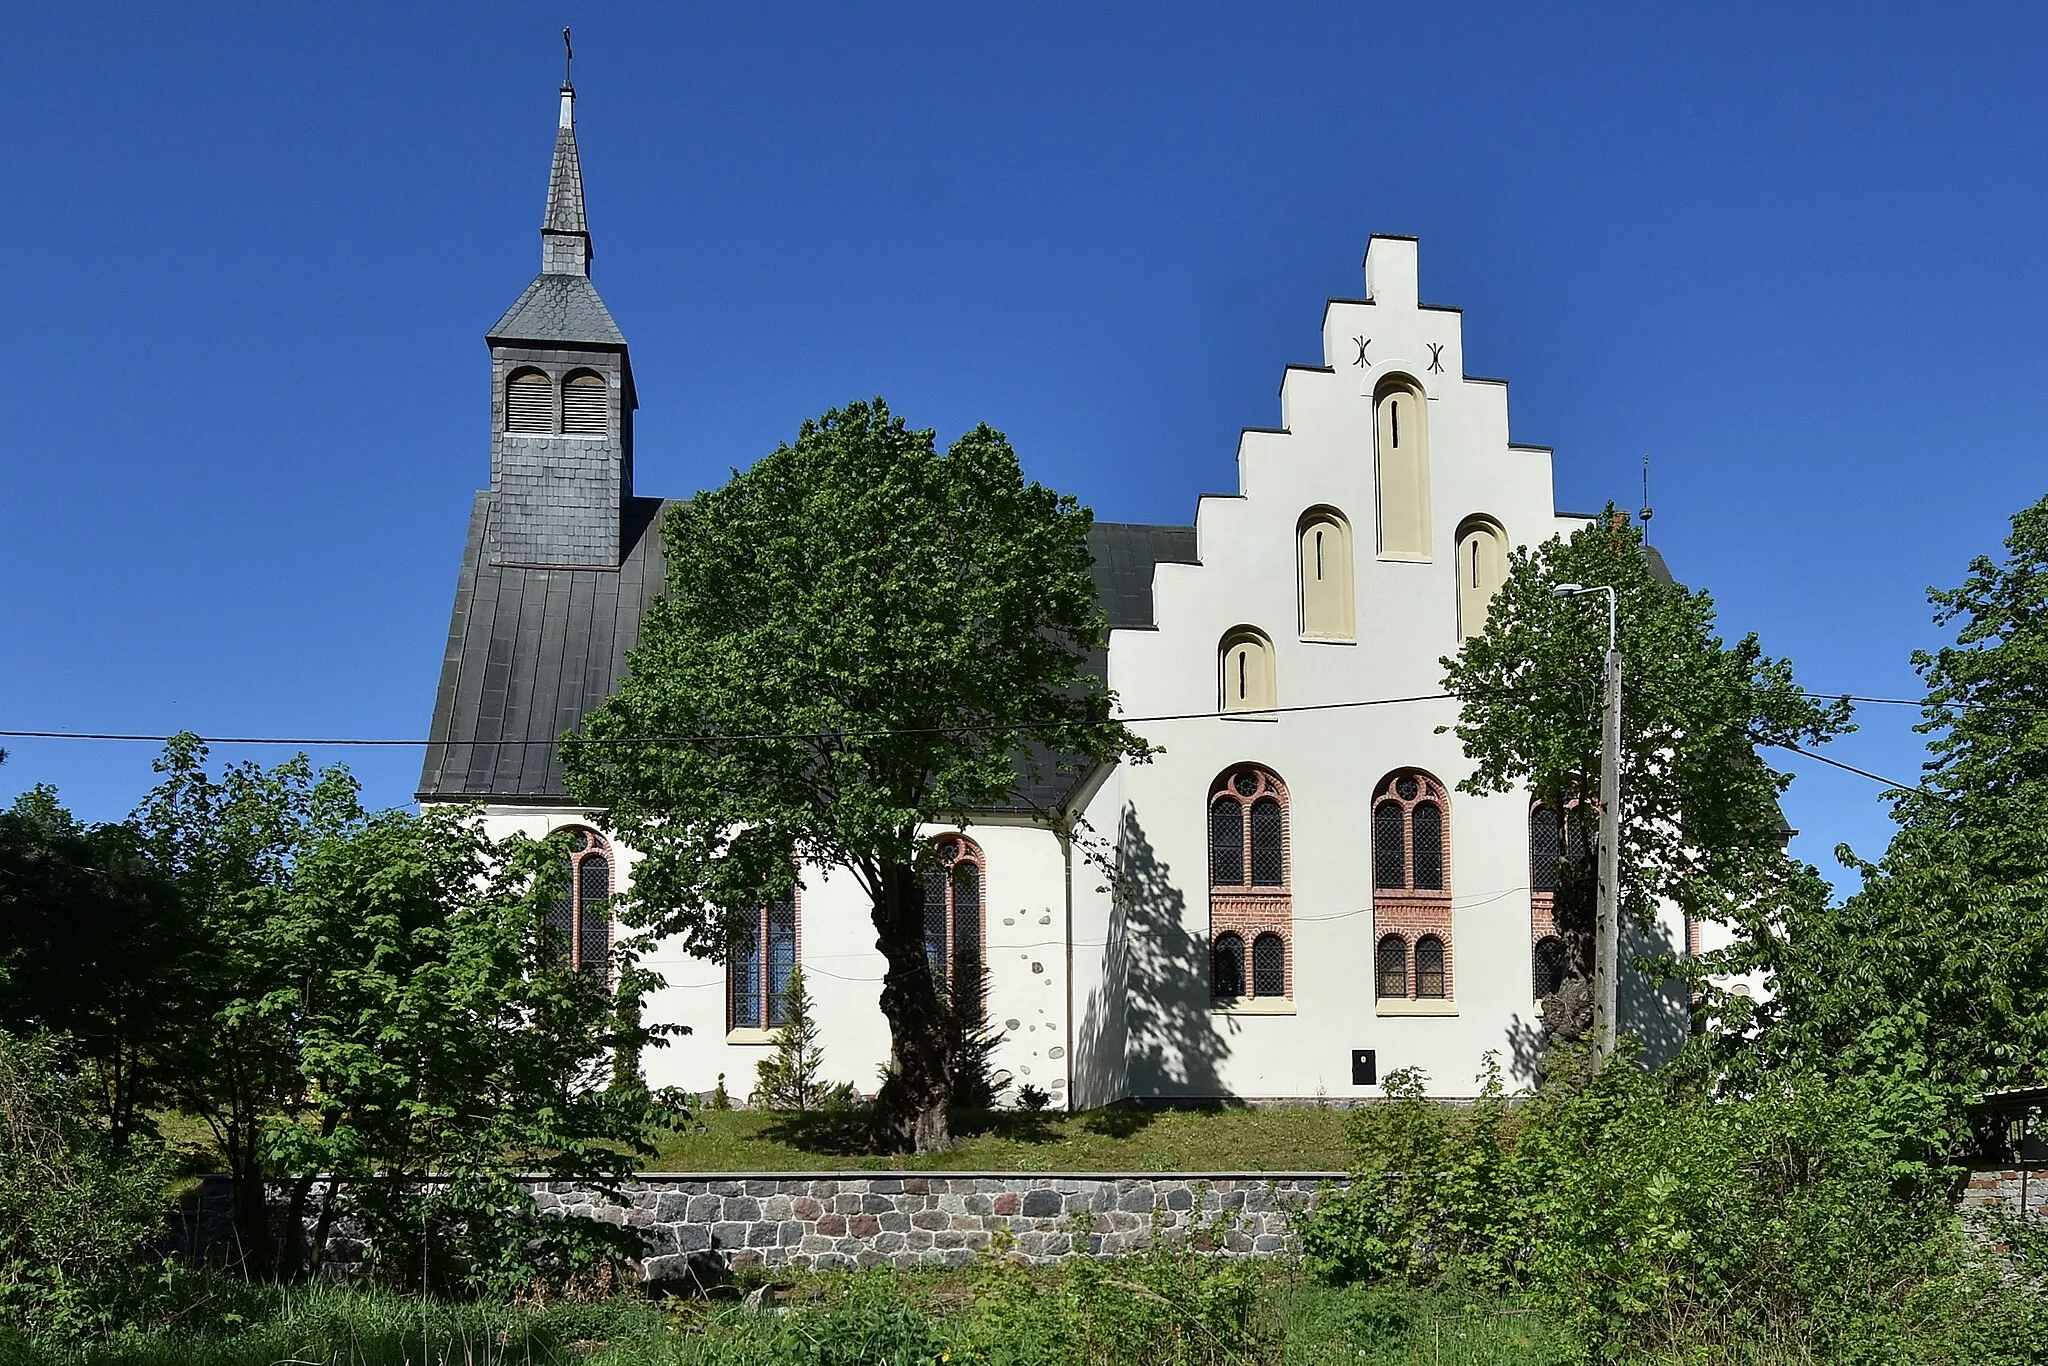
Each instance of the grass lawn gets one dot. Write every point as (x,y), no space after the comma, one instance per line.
(1296,1138)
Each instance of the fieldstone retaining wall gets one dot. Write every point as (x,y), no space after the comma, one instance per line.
(693,1226)
(842,1221)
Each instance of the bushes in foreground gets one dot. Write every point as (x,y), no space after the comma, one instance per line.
(1789,1224)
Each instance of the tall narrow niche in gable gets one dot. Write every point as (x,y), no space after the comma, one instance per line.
(1401,468)
(1324,568)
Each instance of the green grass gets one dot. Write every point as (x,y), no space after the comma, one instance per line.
(1294,1138)
(865,1318)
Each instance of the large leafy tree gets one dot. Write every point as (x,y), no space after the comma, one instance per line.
(1934,977)
(1700,824)
(230,844)
(95,947)
(860,637)
(443,1033)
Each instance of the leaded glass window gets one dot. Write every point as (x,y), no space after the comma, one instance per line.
(1429,968)
(1427,820)
(1549,967)
(1226,842)
(1226,967)
(1269,966)
(952,912)
(1391,967)
(758,970)
(1389,858)
(1269,864)
(578,917)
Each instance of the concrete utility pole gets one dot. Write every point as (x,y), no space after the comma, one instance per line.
(1607,915)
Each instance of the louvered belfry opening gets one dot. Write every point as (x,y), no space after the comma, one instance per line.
(584,406)
(529,403)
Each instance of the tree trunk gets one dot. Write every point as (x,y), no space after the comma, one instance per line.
(910,1111)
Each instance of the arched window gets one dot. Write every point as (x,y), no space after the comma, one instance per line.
(581,913)
(1411,883)
(757,975)
(1249,898)
(1401,440)
(584,406)
(953,911)
(1554,841)
(1429,968)
(1226,966)
(529,402)
(1482,568)
(1269,966)
(1324,571)
(1409,836)
(1245,672)
(1548,967)
(1390,968)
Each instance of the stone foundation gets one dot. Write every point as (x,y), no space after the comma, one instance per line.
(843,1221)
(698,1226)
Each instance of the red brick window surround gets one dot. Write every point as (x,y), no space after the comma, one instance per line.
(581,913)
(757,972)
(1411,894)
(1251,902)
(955,910)
(1556,836)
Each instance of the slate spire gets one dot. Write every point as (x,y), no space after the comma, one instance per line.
(565,235)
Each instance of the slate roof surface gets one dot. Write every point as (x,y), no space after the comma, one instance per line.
(558,308)
(531,650)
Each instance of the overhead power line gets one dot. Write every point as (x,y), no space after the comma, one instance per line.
(871,733)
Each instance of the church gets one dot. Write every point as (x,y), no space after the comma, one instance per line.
(1302,900)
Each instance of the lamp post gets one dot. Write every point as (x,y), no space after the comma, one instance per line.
(1607,913)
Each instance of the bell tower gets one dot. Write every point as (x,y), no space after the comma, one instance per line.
(562,396)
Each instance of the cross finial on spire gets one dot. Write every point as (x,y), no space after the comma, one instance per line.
(568,55)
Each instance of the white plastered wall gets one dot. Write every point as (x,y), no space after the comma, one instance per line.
(1024,897)
(1152,961)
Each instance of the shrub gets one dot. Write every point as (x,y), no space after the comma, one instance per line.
(789,1079)
(1654,1222)
(77,1209)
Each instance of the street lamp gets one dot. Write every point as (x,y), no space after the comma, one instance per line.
(1607,913)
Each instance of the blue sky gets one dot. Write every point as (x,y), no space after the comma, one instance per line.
(1794,252)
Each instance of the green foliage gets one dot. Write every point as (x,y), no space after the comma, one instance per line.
(1700,827)
(441,1034)
(1934,977)
(77,1206)
(792,1077)
(971,1040)
(860,638)
(1649,1220)
(94,950)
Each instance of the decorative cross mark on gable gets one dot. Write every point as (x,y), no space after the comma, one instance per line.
(1362,343)
(1436,357)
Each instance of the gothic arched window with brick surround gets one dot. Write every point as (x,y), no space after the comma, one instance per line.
(585,404)
(1558,837)
(529,402)
(1249,890)
(1411,879)
(757,974)
(953,895)
(1324,572)
(581,913)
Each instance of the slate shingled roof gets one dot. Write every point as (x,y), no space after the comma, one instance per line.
(530,650)
(558,308)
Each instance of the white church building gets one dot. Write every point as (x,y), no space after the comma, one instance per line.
(1302,900)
